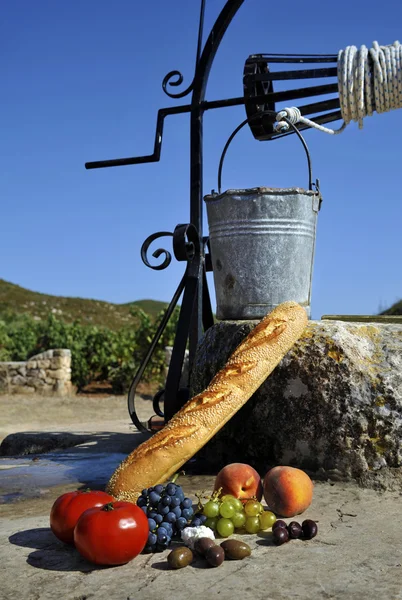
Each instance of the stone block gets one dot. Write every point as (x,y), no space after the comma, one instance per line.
(18,380)
(62,388)
(332,406)
(31,364)
(43,363)
(59,373)
(59,362)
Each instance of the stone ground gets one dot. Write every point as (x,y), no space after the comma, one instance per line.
(356,554)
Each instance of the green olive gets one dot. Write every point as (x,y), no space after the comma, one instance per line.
(180,557)
(235,549)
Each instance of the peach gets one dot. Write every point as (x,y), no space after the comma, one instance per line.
(239,480)
(287,491)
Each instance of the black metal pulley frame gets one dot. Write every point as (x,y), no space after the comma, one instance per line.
(189,244)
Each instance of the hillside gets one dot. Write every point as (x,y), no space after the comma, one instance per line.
(16,299)
(395,309)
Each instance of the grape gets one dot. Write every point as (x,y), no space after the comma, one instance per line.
(151,524)
(233,500)
(211,509)
(168,527)
(211,522)
(158,518)
(141,502)
(154,498)
(227,510)
(175,501)
(162,536)
(170,517)
(159,488)
(187,513)
(238,504)
(267,519)
(144,493)
(187,503)
(148,549)
(181,523)
(225,527)
(171,489)
(150,489)
(228,498)
(163,510)
(200,518)
(176,511)
(252,524)
(151,539)
(144,508)
(252,508)
(239,519)
(166,500)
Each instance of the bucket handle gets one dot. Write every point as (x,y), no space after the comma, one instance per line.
(272,113)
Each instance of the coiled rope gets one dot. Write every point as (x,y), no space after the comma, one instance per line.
(363,87)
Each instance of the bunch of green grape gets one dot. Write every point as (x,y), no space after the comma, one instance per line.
(226,514)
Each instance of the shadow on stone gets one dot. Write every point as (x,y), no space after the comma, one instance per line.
(26,443)
(50,554)
(39,538)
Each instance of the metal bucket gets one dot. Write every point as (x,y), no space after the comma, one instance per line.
(262,243)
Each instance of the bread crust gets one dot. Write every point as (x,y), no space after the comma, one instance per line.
(159,457)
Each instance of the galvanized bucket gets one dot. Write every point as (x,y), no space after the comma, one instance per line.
(262,243)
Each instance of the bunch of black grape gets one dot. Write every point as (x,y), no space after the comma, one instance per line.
(168,512)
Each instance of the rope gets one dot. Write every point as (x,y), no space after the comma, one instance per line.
(363,88)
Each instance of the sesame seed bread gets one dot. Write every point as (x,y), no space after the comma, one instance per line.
(159,457)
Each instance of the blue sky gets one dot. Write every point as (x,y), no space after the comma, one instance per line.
(81,81)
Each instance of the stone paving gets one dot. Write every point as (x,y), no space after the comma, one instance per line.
(356,554)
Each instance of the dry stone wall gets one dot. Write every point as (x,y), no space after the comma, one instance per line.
(45,373)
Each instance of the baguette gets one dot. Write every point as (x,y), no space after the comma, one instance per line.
(159,457)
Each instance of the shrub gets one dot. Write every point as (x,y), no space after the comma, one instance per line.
(98,353)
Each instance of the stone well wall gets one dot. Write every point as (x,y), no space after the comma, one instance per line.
(333,406)
(46,373)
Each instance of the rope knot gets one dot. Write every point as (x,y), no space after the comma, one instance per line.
(292,113)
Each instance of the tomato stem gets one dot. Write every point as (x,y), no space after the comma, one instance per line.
(107,507)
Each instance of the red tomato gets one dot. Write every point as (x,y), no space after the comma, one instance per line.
(113,534)
(69,507)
